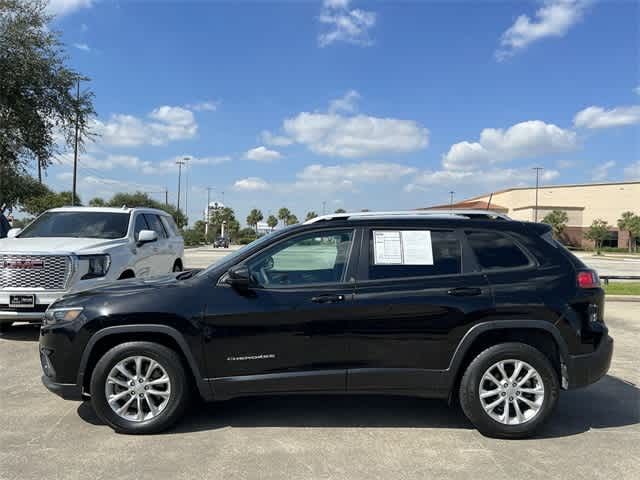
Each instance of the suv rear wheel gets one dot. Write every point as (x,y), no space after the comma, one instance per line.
(509,390)
(139,387)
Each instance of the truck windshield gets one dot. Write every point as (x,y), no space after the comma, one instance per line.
(106,225)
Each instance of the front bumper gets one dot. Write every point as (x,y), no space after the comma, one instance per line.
(43,298)
(68,391)
(586,369)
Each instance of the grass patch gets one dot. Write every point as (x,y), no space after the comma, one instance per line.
(623,288)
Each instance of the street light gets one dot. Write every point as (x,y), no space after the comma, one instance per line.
(179,163)
(537,169)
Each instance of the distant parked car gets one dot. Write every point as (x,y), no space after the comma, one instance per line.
(78,248)
(221,242)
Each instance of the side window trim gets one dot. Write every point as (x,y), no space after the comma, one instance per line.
(346,275)
(159,223)
(135,221)
(533,263)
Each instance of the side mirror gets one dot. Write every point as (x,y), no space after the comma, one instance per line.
(146,236)
(13,232)
(239,278)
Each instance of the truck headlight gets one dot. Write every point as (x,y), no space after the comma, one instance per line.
(98,265)
(60,315)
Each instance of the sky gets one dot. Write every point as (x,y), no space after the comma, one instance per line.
(352,104)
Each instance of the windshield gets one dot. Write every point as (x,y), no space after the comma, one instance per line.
(108,225)
(230,259)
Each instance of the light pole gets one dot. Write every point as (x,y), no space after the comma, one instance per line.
(206,225)
(537,169)
(75,146)
(451,199)
(186,195)
(179,163)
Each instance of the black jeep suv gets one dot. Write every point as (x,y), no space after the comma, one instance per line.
(490,312)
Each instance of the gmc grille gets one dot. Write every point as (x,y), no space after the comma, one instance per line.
(54,274)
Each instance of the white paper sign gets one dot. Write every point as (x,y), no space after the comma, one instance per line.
(406,247)
(387,248)
(416,247)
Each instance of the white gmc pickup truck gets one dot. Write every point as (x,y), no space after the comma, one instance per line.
(77,248)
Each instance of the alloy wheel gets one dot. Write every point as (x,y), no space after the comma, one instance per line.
(511,392)
(138,388)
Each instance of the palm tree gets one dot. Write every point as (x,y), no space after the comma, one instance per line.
(311,215)
(558,221)
(284,214)
(254,217)
(292,220)
(272,221)
(625,223)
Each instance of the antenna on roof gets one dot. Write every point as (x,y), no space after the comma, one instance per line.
(489,202)
(124,206)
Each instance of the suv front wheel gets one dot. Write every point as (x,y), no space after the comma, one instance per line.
(509,390)
(139,387)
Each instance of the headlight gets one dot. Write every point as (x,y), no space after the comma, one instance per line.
(98,265)
(60,315)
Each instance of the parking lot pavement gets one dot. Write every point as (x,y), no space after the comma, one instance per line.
(611,265)
(202,257)
(595,432)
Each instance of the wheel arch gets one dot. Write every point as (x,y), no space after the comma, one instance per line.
(109,337)
(539,334)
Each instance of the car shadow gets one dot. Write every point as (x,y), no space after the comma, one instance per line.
(610,403)
(22,332)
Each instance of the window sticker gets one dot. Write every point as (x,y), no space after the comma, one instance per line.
(406,247)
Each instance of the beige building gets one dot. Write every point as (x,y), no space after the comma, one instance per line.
(582,204)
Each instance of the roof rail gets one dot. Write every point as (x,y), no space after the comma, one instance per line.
(392,214)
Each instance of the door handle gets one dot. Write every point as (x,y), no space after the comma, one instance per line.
(465,291)
(327,299)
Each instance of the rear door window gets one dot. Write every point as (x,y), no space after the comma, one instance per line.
(446,258)
(495,251)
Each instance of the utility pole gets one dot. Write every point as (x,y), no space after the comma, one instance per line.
(166,197)
(206,225)
(75,147)
(223,204)
(537,169)
(451,199)
(186,199)
(179,163)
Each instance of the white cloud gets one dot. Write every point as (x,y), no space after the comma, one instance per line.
(601,172)
(84,27)
(206,106)
(345,104)
(343,24)
(64,7)
(357,136)
(356,172)
(491,177)
(82,46)
(566,163)
(262,154)
(523,140)
(166,124)
(276,140)
(598,117)
(637,90)
(170,165)
(250,184)
(632,172)
(553,19)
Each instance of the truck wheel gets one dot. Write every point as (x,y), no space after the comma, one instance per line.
(5,327)
(509,391)
(139,387)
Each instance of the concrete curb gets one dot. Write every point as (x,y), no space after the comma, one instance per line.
(622,298)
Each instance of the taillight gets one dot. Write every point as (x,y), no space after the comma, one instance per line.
(588,279)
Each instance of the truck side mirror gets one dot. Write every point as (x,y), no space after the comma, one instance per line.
(146,236)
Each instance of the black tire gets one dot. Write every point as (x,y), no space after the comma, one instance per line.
(178,398)
(177,267)
(5,327)
(470,386)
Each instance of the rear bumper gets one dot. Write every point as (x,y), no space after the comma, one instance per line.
(68,391)
(586,369)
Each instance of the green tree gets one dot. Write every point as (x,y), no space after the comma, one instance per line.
(254,217)
(284,214)
(18,189)
(558,221)
(292,220)
(625,223)
(38,103)
(634,228)
(38,204)
(597,232)
(141,199)
(224,215)
(272,221)
(97,202)
(311,215)
(246,235)
(340,210)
